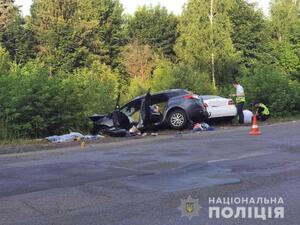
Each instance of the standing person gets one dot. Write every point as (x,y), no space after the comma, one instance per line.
(240,100)
(262,111)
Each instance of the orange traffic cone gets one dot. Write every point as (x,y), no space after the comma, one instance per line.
(255,130)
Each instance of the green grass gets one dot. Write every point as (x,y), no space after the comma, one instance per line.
(8,138)
(273,120)
(21,142)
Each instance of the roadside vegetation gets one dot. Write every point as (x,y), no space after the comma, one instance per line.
(69,59)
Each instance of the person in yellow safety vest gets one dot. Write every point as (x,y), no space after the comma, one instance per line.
(262,111)
(240,100)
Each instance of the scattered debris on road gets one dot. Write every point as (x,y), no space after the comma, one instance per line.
(202,127)
(73,136)
(134,131)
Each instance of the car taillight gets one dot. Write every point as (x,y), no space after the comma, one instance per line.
(205,105)
(191,97)
(230,102)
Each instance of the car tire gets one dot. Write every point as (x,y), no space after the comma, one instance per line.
(177,119)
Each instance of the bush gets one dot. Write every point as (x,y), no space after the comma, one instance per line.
(167,76)
(137,87)
(34,104)
(193,80)
(99,87)
(5,131)
(268,85)
(163,77)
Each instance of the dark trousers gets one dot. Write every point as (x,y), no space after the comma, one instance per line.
(240,107)
(262,117)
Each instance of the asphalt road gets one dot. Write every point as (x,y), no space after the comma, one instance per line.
(142,182)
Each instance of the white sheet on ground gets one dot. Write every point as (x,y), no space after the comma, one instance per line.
(247,116)
(72,137)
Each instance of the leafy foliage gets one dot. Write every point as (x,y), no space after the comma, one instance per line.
(251,34)
(269,85)
(154,26)
(71,34)
(198,40)
(137,59)
(17,39)
(43,105)
(168,76)
(285,20)
(287,59)
(4,61)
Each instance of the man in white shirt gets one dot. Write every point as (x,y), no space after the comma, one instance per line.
(240,100)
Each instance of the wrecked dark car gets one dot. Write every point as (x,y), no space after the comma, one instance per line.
(174,108)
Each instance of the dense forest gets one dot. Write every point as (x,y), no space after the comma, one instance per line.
(69,59)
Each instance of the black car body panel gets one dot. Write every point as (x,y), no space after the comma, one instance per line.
(176,99)
(104,120)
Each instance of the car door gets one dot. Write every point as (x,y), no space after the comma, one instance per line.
(217,106)
(145,110)
(120,119)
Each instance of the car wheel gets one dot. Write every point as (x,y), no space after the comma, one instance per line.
(177,119)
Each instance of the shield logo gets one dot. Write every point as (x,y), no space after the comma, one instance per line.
(189,207)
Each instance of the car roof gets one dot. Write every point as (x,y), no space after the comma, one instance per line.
(169,93)
(157,97)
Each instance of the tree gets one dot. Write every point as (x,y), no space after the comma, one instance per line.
(197,43)
(53,23)
(154,26)
(7,11)
(269,85)
(287,60)
(286,33)
(251,34)
(169,76)
(4,62)
(285,20)
(72,33)
(110,29)
(138,60)
(14,35)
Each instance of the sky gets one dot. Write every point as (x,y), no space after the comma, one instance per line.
(130,5)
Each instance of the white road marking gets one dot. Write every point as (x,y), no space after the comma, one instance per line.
(218,160)
(240,157)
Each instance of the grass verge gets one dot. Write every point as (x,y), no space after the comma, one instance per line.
(21,142)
